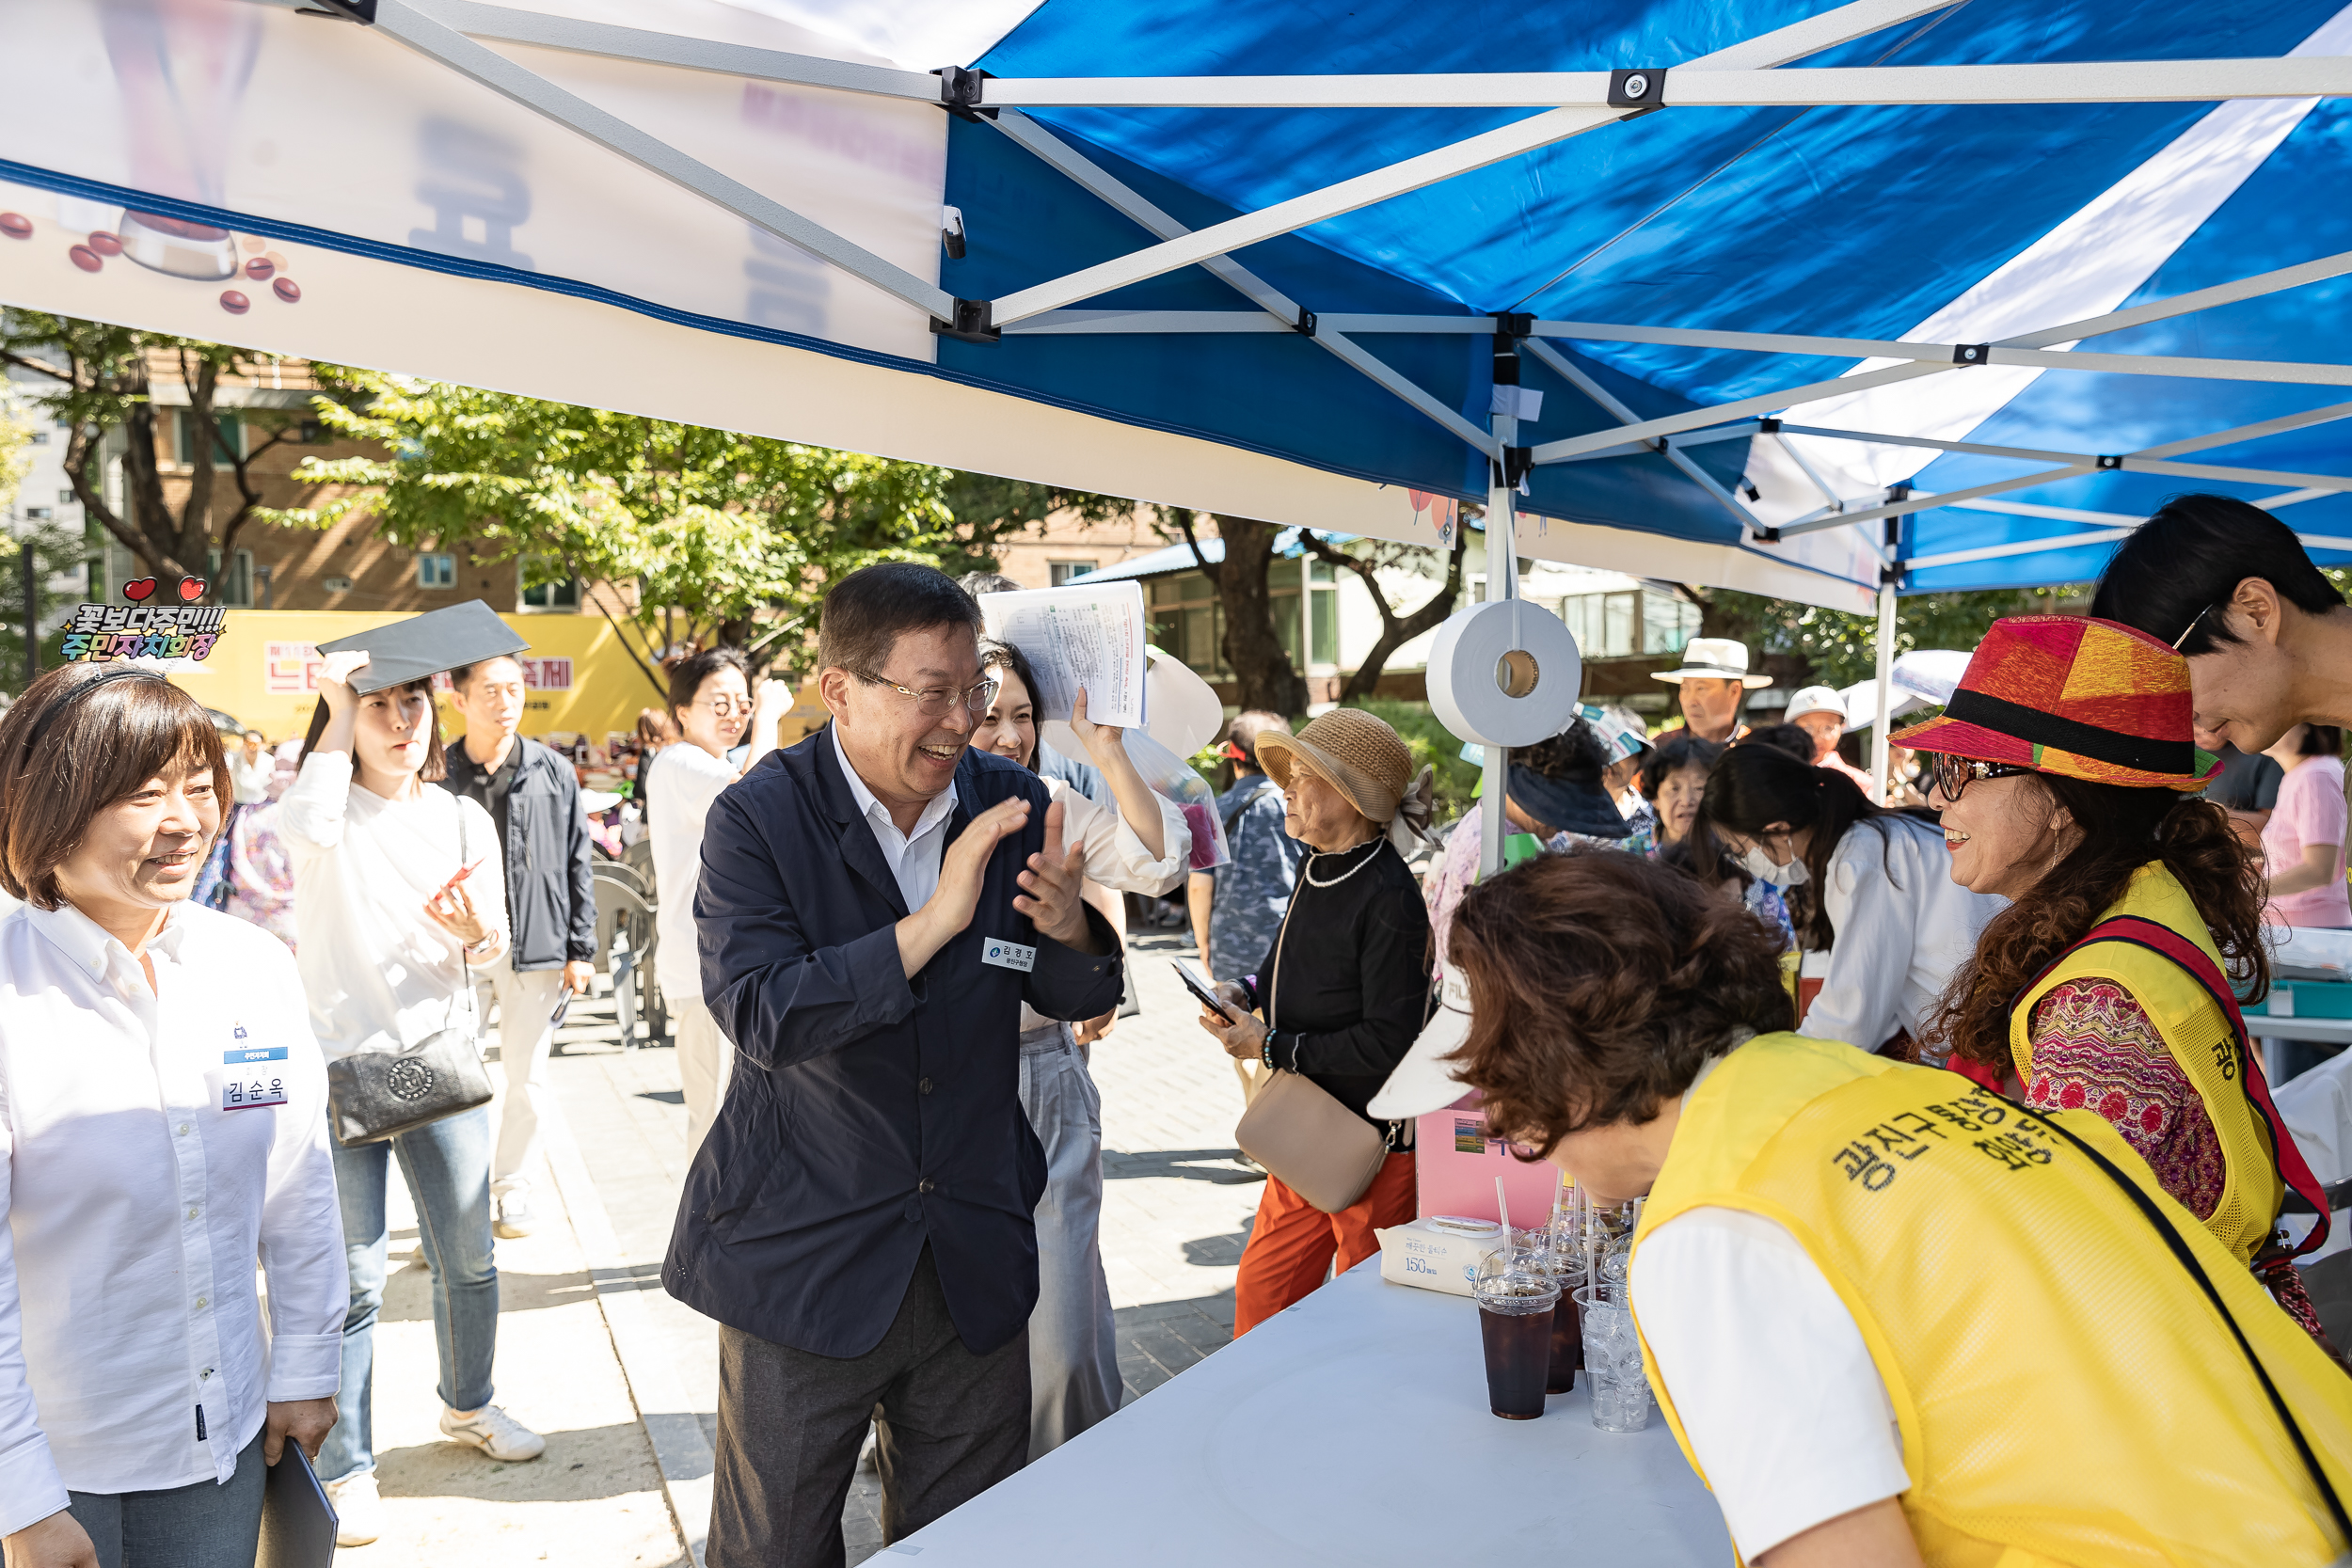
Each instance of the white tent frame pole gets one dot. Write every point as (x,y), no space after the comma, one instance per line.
(1502,582)
(1277,311)
(2124,462)
(1882,750)
(1568,370)
(1696,87)
(417,30)
(1673,424)
(2255,431)
(1857,19)
(543,30)
(1919,503)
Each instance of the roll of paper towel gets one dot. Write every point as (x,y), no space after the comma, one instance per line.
(1504,673)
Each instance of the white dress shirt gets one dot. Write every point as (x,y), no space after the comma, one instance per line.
(914,858)
(380,973)
(1903,926)
(681,782)
(136,1206)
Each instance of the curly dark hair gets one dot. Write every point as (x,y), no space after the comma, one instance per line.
(2126,829)
(1675,751)
(1600,982)
(1575,754)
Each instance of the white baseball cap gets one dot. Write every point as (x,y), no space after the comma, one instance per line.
(1815,699)
(1421,1082)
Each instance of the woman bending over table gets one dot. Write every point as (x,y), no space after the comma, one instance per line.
(1893,1320)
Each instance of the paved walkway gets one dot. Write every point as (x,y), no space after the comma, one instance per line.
(1176,1211)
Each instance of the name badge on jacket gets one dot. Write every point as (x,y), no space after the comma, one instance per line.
(250,1078)
(1009,954)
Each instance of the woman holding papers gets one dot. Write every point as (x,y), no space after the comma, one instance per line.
(1145,847)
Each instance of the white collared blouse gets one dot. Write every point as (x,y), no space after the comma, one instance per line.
(157,1145)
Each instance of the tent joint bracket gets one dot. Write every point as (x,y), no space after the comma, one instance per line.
(361,11)
(1641,88)
(960,92)
(2111,461)
(1515,464)
(1972,353)
(1514,324)
(1305,324)
(1766,536)
(971,323)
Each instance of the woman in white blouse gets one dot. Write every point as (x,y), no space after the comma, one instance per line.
(1145,847)
(712,705)
(1871,888)
(162,1118)
(388,942)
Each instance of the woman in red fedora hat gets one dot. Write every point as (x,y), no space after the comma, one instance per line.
(2064,766)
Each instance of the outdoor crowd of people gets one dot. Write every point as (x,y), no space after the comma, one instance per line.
(1904,1089)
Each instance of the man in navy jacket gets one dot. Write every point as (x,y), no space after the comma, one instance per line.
(876,903)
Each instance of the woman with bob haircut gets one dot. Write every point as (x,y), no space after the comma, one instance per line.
(391,934)
(1892,1318)
(163,1116)
(1870,887)
(2064,765)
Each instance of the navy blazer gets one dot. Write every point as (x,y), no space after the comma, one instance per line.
(868,1114)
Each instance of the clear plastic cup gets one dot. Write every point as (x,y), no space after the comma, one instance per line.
(1613,1360)
(1516,1301)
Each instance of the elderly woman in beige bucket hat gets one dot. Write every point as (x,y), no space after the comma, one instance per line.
(1342,992)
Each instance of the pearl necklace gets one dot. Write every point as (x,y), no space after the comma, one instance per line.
(1308,868)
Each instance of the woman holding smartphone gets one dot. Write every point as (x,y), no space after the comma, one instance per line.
(398,898)
(1073,1350)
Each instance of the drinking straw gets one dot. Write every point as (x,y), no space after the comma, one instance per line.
(1558,1199)
(1503,1207)
(1592,1270)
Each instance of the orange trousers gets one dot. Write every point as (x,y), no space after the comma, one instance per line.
(1293,1242)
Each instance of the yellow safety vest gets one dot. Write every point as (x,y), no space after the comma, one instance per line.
(2066,1392)
(2200,1039)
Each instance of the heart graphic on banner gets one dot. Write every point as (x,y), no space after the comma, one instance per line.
(137,591)
(191,589)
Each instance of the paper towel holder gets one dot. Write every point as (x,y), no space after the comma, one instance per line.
(1516,672)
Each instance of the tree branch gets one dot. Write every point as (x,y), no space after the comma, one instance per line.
(1215,572)
(651,679)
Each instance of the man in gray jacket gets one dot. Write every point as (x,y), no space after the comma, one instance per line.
(534,796)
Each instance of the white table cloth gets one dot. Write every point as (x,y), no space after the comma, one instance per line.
(1352,1429)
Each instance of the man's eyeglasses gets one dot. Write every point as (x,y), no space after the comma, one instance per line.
(1954,774)
(938,701)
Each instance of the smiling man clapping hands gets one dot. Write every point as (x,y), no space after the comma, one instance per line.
(876,903)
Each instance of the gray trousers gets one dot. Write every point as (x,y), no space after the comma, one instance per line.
(1073,1341)
(201,1525)
(950,1424)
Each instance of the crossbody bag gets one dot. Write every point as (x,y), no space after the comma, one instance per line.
(376,1095)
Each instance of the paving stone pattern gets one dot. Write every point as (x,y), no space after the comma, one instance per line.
(1176,1202)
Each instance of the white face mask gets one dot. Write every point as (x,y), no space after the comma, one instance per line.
(1760,866)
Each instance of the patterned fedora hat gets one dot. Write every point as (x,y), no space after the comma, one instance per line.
(2067,694)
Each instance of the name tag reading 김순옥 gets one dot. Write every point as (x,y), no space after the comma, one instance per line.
(249,1080)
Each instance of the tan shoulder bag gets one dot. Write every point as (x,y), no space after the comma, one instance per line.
(1305,1139)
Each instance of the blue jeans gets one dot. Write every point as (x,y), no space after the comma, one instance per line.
(447,1166)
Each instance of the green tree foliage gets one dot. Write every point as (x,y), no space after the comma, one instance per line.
(95,378)
(728,538)
(1841,647)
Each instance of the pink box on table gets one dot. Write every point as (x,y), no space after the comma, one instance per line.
(1457,1163)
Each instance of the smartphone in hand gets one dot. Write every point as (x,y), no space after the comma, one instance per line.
(1197,984)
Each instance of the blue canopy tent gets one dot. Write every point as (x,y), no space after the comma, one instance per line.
(1780,295)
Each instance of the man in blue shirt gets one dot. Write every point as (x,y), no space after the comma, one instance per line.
(875,904)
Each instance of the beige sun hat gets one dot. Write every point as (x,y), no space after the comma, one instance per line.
(1362,758)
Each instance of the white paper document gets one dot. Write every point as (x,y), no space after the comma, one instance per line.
(1073,637)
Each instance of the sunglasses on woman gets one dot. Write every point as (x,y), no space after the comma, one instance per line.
(1954,774)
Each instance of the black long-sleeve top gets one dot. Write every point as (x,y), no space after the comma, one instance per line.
(1353,991)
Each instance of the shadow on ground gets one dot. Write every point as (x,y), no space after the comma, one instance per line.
(577,1467)
(1221,1166)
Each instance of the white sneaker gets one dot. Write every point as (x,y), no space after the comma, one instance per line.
(514,1219)
(494,1432)
(358,1509)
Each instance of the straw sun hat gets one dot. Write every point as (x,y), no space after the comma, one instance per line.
(1362,758)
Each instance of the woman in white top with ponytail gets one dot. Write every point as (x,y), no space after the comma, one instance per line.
(1144,848)
(388,943)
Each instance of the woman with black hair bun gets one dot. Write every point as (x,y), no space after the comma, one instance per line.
(1867,886)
